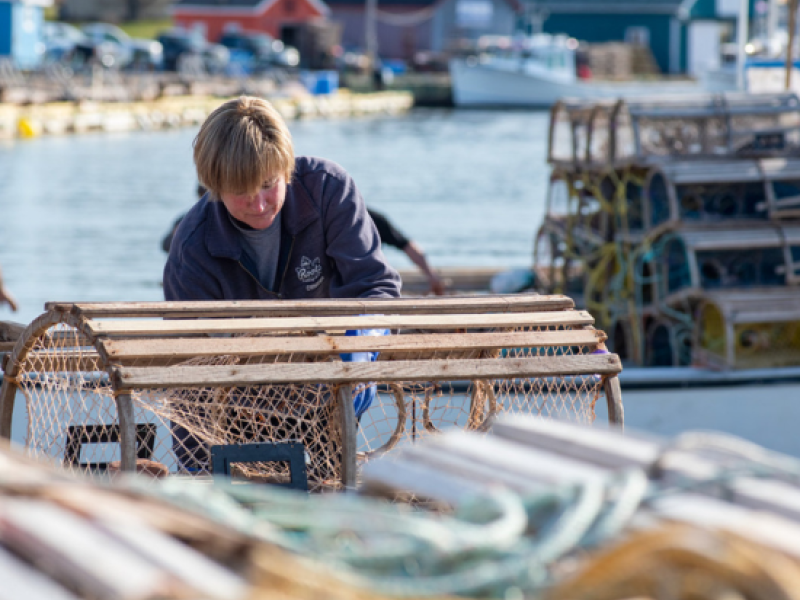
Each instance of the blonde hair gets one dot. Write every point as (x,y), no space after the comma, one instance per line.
(242,144)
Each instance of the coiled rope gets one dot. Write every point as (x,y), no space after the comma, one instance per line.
(497,545)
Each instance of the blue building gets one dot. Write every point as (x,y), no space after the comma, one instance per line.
(683,35)
(21,32)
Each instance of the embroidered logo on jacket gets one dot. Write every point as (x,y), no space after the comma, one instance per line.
(309,270)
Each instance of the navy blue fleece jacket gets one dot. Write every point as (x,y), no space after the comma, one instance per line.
(329,246)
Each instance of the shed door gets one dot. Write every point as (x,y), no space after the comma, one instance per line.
(704,47)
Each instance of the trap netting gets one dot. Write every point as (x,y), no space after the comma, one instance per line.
(72,405)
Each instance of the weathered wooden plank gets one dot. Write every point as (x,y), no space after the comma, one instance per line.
(474,461)
(349,431)
(162,349)
(458,469)
(290,308)
(593,445)
(525,462)
(127,432)
(613,391)
(387,477)
(267,325)
(126,378)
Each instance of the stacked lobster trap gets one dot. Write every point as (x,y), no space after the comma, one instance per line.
(170,387)
(675,222)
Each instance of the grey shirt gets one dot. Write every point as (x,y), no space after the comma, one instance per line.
(262,247)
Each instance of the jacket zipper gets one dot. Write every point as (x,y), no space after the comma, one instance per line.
(286,266)
(258,283)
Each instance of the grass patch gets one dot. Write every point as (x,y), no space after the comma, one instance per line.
(146,29)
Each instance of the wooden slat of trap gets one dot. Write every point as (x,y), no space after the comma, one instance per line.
(128,378)
(169,350)
(265,325)
(291,308)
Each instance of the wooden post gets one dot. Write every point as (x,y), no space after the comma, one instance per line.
(127,433)
(348,425)
(792,8)
(616,414)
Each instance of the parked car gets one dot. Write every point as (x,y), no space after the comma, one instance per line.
(179,43)
(139,53)
(67,44)
(262,51)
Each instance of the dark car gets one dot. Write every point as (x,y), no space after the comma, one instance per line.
(180,45)
(260,50)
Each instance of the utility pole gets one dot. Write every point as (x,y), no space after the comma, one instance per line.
(742,27)
(772,18)
(371,37)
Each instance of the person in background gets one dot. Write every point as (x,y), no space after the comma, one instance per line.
(391,236)
(166,242)
(388,233)
(5,295)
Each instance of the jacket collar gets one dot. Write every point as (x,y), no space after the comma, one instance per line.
(222,239)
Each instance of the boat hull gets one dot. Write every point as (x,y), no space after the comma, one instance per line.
(481,85)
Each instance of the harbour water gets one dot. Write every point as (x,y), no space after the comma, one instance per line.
(82,217)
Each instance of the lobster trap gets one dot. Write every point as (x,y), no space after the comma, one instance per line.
(126,385)
(656,205)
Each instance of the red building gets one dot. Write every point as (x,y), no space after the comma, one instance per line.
(213,17)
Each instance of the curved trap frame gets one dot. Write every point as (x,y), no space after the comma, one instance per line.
(116,385)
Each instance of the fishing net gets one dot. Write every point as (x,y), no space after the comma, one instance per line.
(68,409)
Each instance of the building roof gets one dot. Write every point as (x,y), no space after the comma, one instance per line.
(383,3)
(239,6)
(515,4)
(668,7)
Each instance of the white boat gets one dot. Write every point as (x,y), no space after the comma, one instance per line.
(537,71)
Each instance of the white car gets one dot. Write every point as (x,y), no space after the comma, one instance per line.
(139,53)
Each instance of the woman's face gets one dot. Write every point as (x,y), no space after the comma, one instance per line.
(260,209)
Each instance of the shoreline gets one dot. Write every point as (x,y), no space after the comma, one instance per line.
(21,121)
